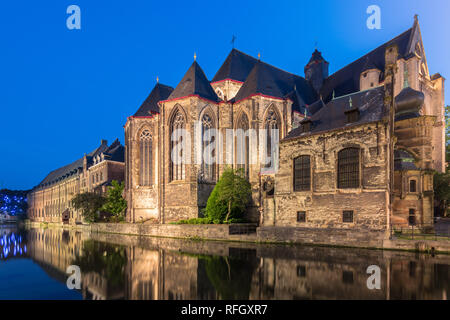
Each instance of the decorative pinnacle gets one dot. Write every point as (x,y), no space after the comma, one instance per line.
(157,79)
(195,56)
(259,55)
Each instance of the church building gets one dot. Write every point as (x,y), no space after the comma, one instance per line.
(356,148)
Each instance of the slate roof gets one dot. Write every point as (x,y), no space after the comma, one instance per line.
(63,172)
(332,116)
(194,82)
(268,80)
(114,152)
(346,80)
(237,66)
(150,105)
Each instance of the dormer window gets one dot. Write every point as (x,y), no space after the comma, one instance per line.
(352,115)
(305,126)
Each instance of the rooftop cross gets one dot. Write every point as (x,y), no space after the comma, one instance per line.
(233,39)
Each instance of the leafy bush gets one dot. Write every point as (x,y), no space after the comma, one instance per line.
(90,204)
(229,198)
(115,204)
(441,186)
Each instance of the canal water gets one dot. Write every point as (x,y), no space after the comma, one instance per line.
(33,265)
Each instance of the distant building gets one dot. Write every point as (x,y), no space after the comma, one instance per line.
(50,200)
(6,218)
(340,163)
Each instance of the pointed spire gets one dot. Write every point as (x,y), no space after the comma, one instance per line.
(236,66)
(195,56)
(150,105)
(157,79)
(194,82)
(259,55)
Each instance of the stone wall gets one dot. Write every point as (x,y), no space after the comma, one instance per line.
(324,236)
(324,203)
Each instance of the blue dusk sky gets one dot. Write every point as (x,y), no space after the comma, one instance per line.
(62,90)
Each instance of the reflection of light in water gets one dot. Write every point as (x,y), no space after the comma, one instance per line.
(12,244)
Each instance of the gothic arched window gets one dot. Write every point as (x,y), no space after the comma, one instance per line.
(145,168)
(177,168)
(348,168)
(208,167)
(272,126)
(242,144)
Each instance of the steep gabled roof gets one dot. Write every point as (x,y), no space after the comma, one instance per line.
(346,80)
(270,81)
(332,116)
(194,82)
(150,105)
(114,152)
(236,66)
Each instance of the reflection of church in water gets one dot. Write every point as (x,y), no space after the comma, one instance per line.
(170,269)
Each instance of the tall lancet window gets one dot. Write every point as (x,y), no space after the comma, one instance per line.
(272,126)
(145,148)
(208,153)
(405,75)
(177,166)
(242,144)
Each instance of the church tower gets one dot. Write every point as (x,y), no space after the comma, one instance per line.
(316,71)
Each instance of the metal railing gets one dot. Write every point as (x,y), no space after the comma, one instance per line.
(440,230)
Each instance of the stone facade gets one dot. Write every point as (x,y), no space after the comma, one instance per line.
(324,203)
(353,109)
(50,200)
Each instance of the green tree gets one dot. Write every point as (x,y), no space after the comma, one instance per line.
(229,198)
(441,181)
(104,259)
(442,190)
(90,204)
(447,133)
(115,203)
(230,277)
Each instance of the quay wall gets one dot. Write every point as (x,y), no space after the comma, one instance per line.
(272,234)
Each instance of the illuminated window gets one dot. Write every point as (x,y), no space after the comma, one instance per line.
(208,167)
(145,166)
(177,170)
(272,125)
(242,145)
